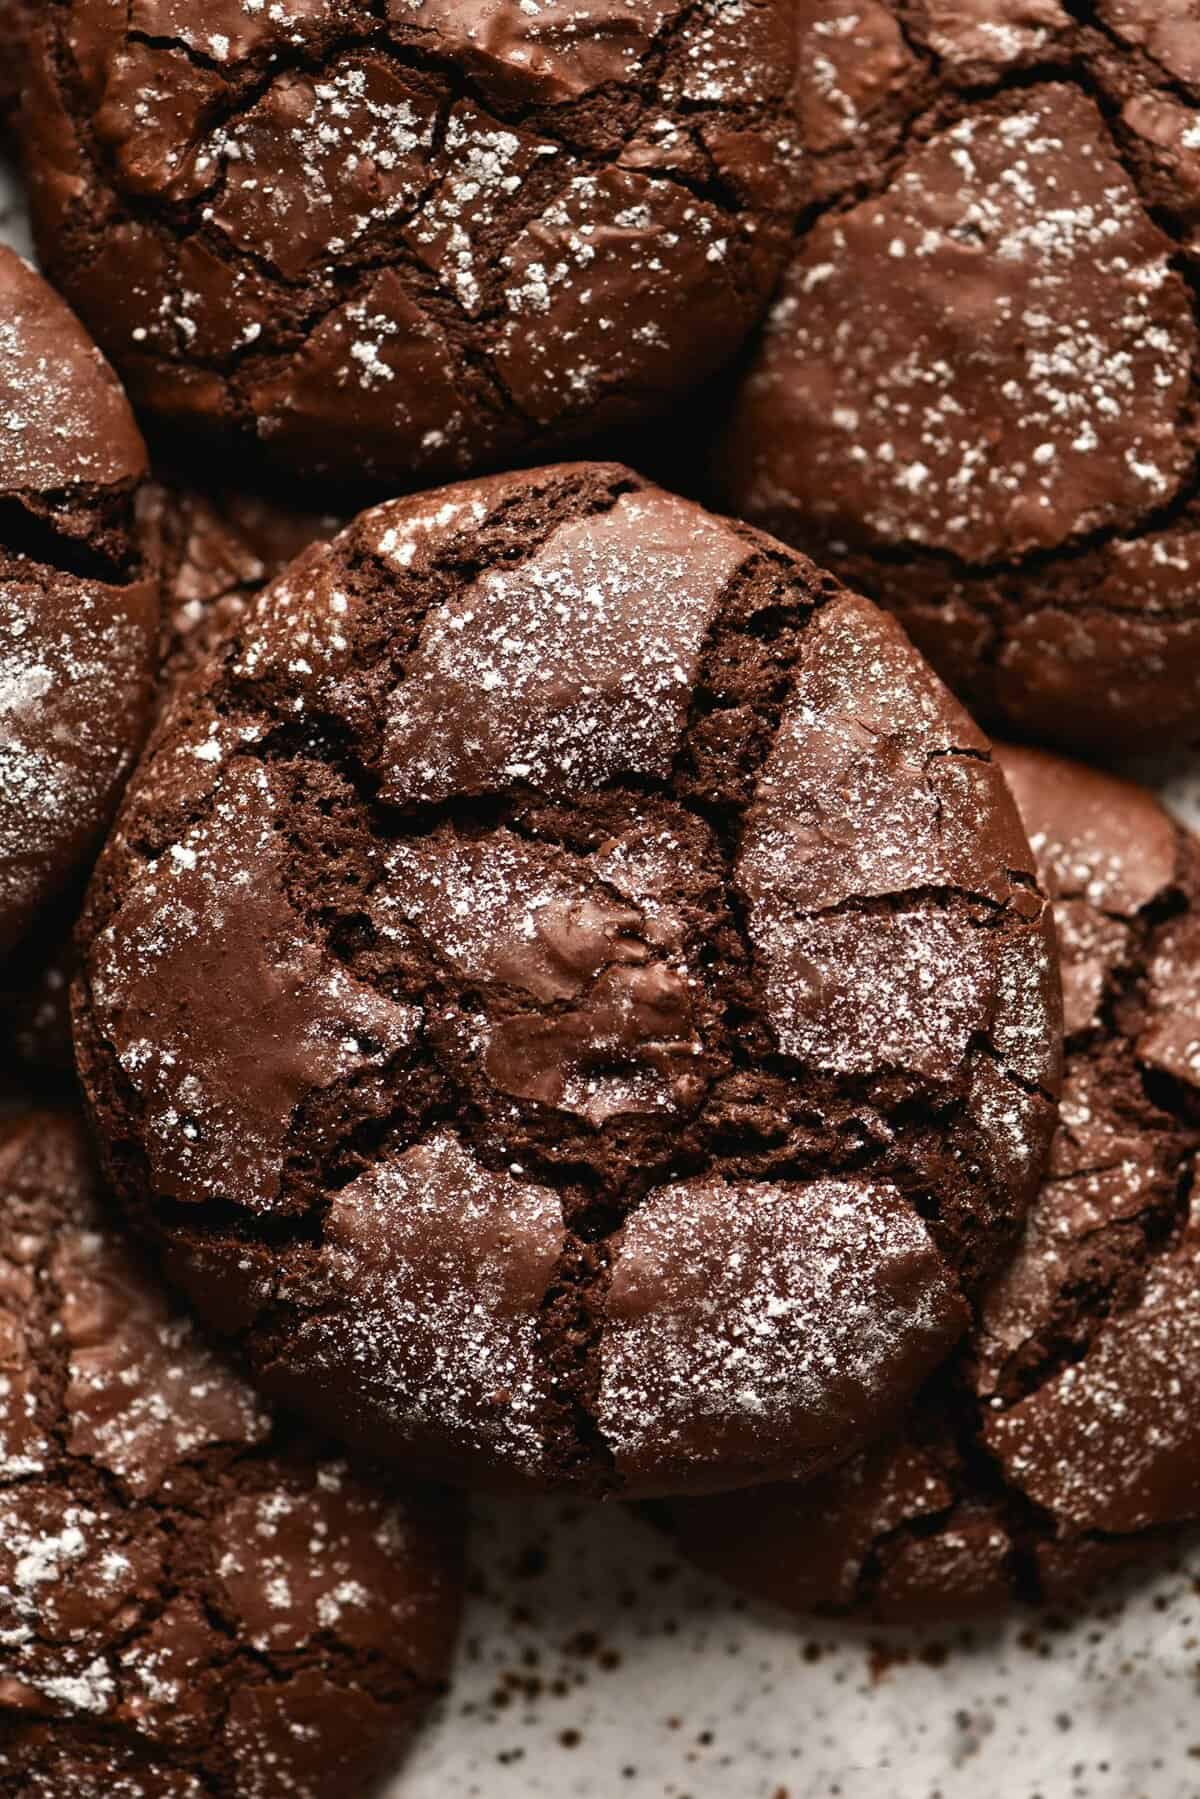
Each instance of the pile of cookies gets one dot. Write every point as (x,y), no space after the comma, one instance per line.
(533,984)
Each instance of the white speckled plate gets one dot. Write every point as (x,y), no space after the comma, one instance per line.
(608,1669)
(594,1665)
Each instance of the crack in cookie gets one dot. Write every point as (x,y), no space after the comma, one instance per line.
(543,880)
(1057,1445)
(975,396)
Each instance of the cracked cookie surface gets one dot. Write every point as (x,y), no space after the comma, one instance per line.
(975,397)
(570,993)
(1060,1443)
(454,235)
(212,550)
(78,609)
(215,548)
(198,1604)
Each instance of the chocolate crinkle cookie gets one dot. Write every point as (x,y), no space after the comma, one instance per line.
(215,548)
(976,393)
(443,232)
(196,1604)
(1062,1441)
(211,550)
(570,992)
(78,608)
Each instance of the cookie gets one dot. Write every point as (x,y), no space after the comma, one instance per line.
(215,548)
(975,394)
(569,991)
(1060,1442)
(196,1601)
(441,235)
(211,551)
(78,609)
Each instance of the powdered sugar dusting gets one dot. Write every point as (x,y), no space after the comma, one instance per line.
(866,734)
(642,224)
(994,32)
(351,144)
(335,1559)
(603,979)
(910,993)
(750,1317)
(1086,1347)
(73,660)
(590,287)
(212,916)
(552,49)
(488,166)
(1109,1443)
(63,417)
(143,1392)
(851,59)
(74,653)
(177,1552)
(434,1268)
(1036,297)
(631,593)
(1170,1039)
(53,1554)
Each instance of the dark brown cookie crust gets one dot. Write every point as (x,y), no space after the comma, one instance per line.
(216,548)
(196,1603)
(78,609)
(976,395)
(383,244)
(570,992)
(211,551)
(1062,1442)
